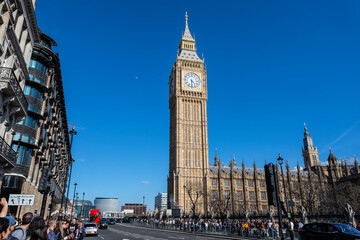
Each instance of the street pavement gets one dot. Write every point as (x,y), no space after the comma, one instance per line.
(128,232)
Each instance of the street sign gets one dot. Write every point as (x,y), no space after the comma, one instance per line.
(21,200)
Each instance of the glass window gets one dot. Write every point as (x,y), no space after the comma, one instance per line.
(238,183)
(263,195)
(251,184)
(214,194)
(239,195)
(27,90)
(25,138)
(264,208)
(227,193)
(214,182)
(14,147)
(252,207)
(32,63)
(252,195)
(226,183)
(16,137)
(24,156)
(262,184)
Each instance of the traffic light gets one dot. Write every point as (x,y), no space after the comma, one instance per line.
(44,180)
(271,178)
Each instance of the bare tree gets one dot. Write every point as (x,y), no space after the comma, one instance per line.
(194,192)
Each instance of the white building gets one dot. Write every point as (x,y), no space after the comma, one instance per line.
(161,201)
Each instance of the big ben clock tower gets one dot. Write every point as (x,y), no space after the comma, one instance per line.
(188,155)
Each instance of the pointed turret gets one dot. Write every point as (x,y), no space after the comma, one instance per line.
(357,170)
(187,48)
(309,151)
(216,158)
(234,161)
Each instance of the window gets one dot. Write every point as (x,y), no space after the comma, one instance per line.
(214,194)
(226,183)
(252,195)
(238,183)
(24,156)
(38,65)
(262,184)
(251,184)
(263,196)
(295,186)
(30,122)
(214,182)
(227,193)
(33,108)
(239,195)
(30,91)
(252,207)
(36,79)
(264,208)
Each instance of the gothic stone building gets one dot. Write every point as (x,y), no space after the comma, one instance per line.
(194,185)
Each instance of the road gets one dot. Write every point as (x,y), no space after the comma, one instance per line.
(126,232)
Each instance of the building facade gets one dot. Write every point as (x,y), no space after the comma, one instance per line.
(188,155)
(195,187)
(107,204)
(41,139)
(33,125)
(161,201)
(18,34)
(138,208)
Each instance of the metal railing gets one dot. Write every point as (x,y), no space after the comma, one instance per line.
(7,151)
(215,229)
(8,75)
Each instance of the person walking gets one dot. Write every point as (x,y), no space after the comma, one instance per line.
(21,231)
(4,228)
(82,232)
(60,231)
(51,228)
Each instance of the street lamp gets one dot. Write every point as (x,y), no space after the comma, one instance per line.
(184,201)
(72,209)
(70,161)
(281,161)
(82,205)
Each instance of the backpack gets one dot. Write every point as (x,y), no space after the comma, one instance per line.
(17,228)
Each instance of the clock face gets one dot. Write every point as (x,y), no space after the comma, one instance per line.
(171,86)
(192,80)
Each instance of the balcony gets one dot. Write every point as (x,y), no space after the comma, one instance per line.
(7,154)
(7,76)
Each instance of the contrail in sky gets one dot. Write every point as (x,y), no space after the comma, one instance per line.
(345,133)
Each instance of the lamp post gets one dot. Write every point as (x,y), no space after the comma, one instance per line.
(281,161)
(72,132)
(82,206)
(184,201)
(72,209)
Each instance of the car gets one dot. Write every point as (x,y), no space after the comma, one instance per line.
(111,221)
(91,229)
(103,224)
(328,231)
(118,220)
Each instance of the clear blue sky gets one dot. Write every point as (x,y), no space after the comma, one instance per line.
(272,65)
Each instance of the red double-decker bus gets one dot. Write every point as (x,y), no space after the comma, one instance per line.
(95,216)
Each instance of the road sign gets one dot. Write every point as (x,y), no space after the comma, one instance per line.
(21,200)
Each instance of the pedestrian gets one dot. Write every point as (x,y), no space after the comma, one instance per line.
(4,228)
(37,229)
(60,231)
(82,232)
(12,223)
(73,228)
(51,228)
(21,230)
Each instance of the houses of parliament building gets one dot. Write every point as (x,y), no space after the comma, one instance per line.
(194,185)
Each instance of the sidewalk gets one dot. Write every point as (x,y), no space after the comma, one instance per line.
(214,235)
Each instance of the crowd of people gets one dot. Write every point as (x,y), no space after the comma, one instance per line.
(251,228)
(32,227)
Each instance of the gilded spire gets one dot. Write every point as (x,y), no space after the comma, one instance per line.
(187,35)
